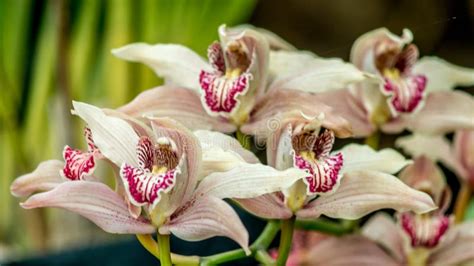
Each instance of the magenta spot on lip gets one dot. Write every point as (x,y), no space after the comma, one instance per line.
(78,164)
(323,174)
(220,92)
(405,94)
(145,187)
(424,231)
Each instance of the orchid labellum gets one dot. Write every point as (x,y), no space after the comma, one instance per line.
(159,163)
(411,93)
(241,69)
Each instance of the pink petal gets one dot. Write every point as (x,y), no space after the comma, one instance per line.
(96,202)
(456,248)
(268,206)
(425,175)
(45,177)
(464,153)
(187,145)
(178,103)
(204,218)
(145,187)
(348,250)
(220,93)
(177,64)
(382,229)
(78,164)
(370,45)
(363,192)
(444,111)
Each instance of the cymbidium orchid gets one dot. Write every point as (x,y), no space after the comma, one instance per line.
(426,239)
(411,93)
(340,184)
(159,165)
(458,156)
(242,69)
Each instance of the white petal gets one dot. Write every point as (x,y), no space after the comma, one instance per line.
(363,192)
(45,177)
(114,137)
(177,64)
(295,70)
(443,75)
(248,181)
(362,157)
(205,218)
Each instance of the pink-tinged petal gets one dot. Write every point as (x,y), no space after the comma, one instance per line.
(220,93)
(456,247)
(96,202)
(178,103)
(436,148)
(362,157)
(216,57)
(424,175)
(424,231)
(464,153)
(145,187)
(349,250)
(406,94)
(443,75)
(368,47)
(187,147)
(444,112)
(248,181)
(324,176)
(204,218)
(382,229)
(363,192)
(78,164)
(275,41)
(306,72)
(271,114)
(45,177)
(115,138)
(177,64)
(268,206)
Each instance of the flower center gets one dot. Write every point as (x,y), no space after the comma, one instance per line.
(424,230)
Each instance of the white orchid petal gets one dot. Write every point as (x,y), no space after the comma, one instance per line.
(248,181)
(362,157)
(456,247)
(268,206)
(443,75)
(114,137)
(363,192)
(177,64)
(45,177)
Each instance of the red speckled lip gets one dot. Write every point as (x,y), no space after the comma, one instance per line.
(405,93)
(424,231)
(78,164)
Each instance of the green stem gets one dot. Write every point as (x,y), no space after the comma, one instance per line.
(462,201)
(287,228)
(323,226)
(243,139)
(164,247)
(373,140)
(261,243)
(263,257)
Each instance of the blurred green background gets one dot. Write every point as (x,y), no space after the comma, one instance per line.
(53,51)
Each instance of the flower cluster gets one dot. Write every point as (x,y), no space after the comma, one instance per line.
(174,157)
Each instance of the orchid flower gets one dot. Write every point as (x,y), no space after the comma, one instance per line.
(427,239)
(242,69)
(159,165)
(411,93)
(348,183)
